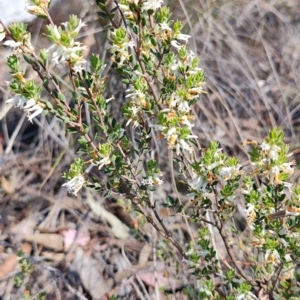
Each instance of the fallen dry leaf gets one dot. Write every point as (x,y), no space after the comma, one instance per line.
(25,226)
(53,241)
(26,248)
(71,235)
(7,186)
(145,253)
(92,280)
(57,257)
(162,277)
(119,229)
(8,266)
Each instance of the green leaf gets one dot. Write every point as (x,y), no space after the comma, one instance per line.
(49,105)
(55,80)
(36,66)
(102,15)
(135,29)
(71,129)
(111,16)
(46,81)
(61,97)
(102,6)
(96,63)
(28,58)
(153,41)
(86,128)
(75,95)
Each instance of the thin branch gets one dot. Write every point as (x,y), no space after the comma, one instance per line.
(164,232)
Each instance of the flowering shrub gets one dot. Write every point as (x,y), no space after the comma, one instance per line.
(150,54)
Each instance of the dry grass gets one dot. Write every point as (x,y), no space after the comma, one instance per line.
(250,52)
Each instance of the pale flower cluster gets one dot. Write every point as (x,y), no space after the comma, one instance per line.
(71,52)
(152,180)
(152,4)
(9,43)
(31,107)
(227,173)
(39,8)
(251,215)
(272,257)
(121,50)
(75,184)
(103,162)
(246,296)
(198,184)
(270,167)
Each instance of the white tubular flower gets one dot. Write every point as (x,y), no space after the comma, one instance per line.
(62,54)
(230,172)
(2,33)
(135,123)
(184,146)
(184,120)
(265,146)
(251,215)
(145,181)
(175,44)
(170,132)
(274,175)
(171,137)
(195,71)
(184,107)
(175,65)
(12,44)
(165,26)
(157,180)
(213,165)
(34,9)
(288,168)
(183,37)
(134,110)
(78,66)
(152,180)
(32,109)
(137,94)
(58,55)
(75,184)
(152,4)
(273,154)
(198,184)
(196,90)
(272,257)
(110,99)
(292,211)
(103,162)
(204,289)
(17,101)
(121,51)
(246,296)
(40,4)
